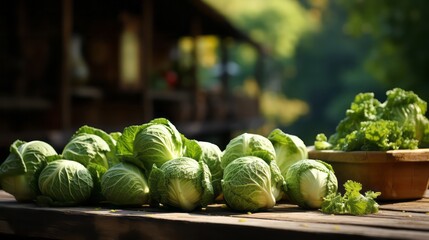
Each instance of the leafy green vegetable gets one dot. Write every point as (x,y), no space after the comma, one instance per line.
(97,171)
(20,171)
(155,142)
(91,145)
(65,183)
(408,110)
(398,123)
(248,144)
(247,185)
(211,155)
(182,183)
(309,181)
(353,202)
(125,184)
(96,150)
(321,142)
(289,149)
(191,148)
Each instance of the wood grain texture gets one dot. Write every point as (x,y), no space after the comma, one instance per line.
(417,155)
(397,174)
(399,220)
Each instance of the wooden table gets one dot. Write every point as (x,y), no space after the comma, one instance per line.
(402,220)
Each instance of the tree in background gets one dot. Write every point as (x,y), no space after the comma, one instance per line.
(400,53)
(314,57)
(330,71)
(279,26)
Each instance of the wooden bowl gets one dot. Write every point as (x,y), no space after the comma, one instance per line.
(397,174)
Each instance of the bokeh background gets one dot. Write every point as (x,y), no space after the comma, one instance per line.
(215,68)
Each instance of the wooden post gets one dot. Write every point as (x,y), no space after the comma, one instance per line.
(146,57)
(66,34)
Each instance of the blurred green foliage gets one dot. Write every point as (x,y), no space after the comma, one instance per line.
(326,52)
(400,53)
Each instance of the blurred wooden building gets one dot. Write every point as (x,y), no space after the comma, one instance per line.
(67,63)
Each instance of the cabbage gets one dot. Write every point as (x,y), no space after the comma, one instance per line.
(20,171)
(211,155)
(125,184)
(289,149)
(248,144)
(247,185)
(309,181)
(155,142)
(90,145)
(182,183)
(64,183)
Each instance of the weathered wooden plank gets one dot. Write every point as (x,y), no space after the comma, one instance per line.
(421,205)
(407,221)
(84,223)
(214,222)
(417,155)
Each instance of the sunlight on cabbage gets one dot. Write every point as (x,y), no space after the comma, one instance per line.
(20,171)
(248,144)
(309,181)
(155,142)
(247,185)
(289,149)
(181,183)
(211,155)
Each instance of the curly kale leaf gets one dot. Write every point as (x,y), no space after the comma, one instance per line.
(352,202)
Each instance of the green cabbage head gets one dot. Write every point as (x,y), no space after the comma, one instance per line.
(182,183)
(155,142)
(91,146)
(289,149)
(247,185)
(248,144)
(309,181)
(20,171)
(64,183)
(125,184)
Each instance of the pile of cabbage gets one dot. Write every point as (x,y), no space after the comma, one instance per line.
(154,164)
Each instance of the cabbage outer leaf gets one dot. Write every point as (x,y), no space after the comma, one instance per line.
(212,155)
(87,148)
(289,149)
